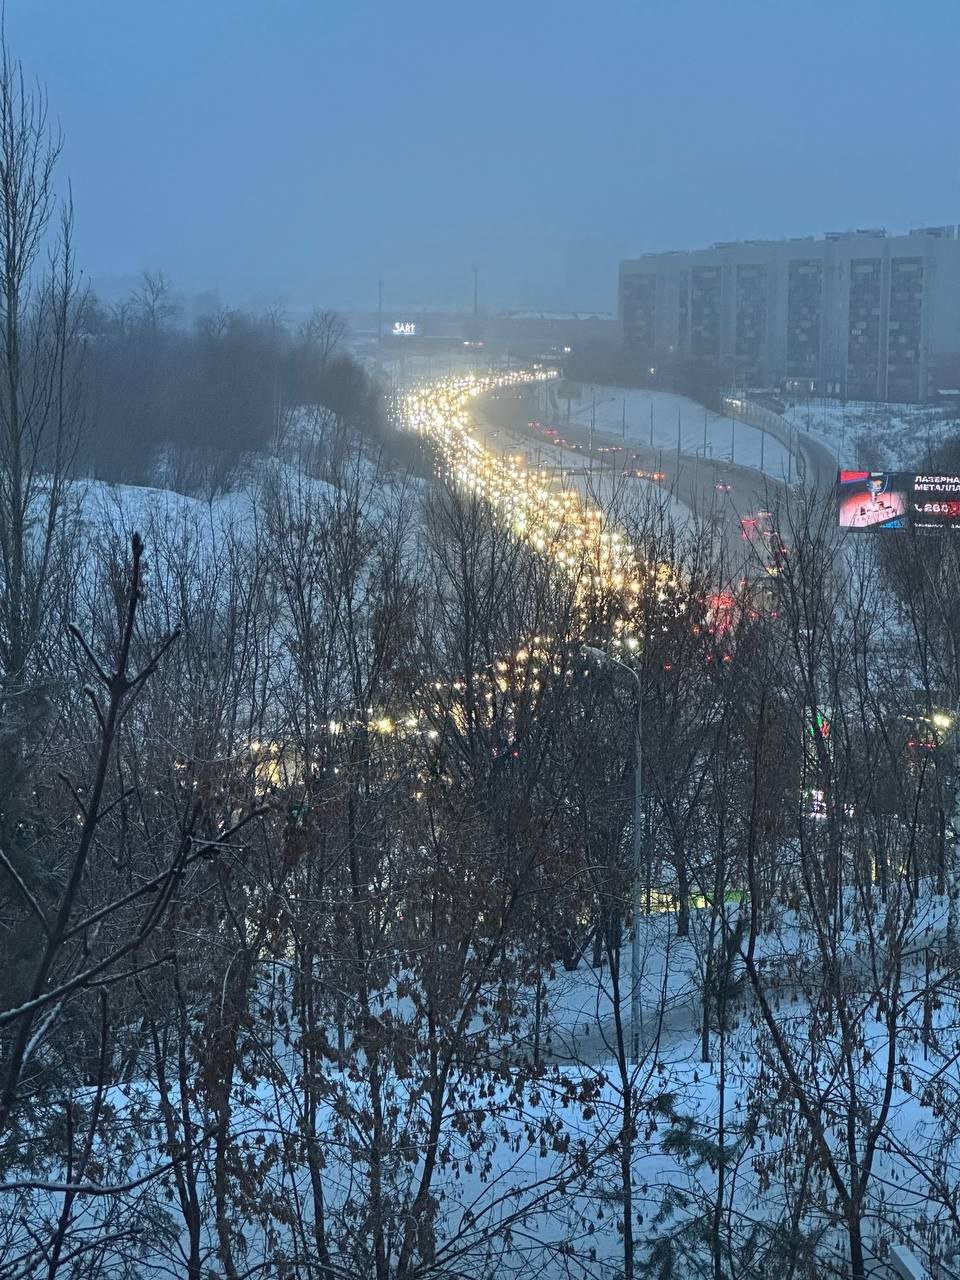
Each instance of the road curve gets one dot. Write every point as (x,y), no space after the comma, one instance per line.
(693,481)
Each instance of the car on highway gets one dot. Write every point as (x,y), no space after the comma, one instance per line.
(760,529)
(758,526)
(723,486)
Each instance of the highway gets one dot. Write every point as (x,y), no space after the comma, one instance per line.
(563,494)
(699,486)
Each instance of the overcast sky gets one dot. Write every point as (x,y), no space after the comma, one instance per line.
(294,149)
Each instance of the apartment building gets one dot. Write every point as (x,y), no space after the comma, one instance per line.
(859,314)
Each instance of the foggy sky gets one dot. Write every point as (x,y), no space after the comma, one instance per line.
(295,149)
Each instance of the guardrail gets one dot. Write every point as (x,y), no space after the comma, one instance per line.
(758,415)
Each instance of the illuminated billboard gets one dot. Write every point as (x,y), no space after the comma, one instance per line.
(404,329)
(936,502)
(874,499)
(898,499)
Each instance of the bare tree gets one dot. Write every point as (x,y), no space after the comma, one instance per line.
(39,407)
(153,302)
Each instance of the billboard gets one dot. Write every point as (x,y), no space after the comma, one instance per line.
(936,502)
(874,499)
(897,500)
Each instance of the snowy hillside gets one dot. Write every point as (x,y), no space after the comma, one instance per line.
(887,436)
(659,417)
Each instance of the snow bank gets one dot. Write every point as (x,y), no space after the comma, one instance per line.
(629,413)
(889,436)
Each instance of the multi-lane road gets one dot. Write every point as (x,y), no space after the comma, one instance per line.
(559,485)
(599,465)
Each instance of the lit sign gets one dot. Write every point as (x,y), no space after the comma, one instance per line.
(936,502)
(820,726)
(896,499)
(873,499)
(404,329)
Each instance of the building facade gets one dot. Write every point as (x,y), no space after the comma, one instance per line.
(860,314)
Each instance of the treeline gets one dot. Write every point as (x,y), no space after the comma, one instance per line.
(180,407)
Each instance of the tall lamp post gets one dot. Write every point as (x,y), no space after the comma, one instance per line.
(601,655)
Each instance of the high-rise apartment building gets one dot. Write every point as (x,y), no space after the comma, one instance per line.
(858,314)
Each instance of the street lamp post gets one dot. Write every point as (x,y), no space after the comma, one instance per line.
(593,427)
(733,435)
(678,437)
(635,1014)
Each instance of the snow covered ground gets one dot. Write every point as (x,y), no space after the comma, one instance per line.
(495,1184)
(725,439)
(886,436)
(575,1235)
(126,509)
(135,508)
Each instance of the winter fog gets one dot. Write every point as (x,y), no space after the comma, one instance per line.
(479,641)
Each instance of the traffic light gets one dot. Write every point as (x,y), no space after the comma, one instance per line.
(819,724)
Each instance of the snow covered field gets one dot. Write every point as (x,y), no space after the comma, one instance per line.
(129,508)
(724,438)
(164,517)
(885,436)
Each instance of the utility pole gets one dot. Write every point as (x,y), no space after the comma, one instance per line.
(763,436)
(733,435)
(635,1014)
(476,304)
(843,428)
(651,424)
(623,424)
(704,433)
(593,425)
(380,313)
(678,437)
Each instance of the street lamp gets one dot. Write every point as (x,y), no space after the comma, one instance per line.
(601,655)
